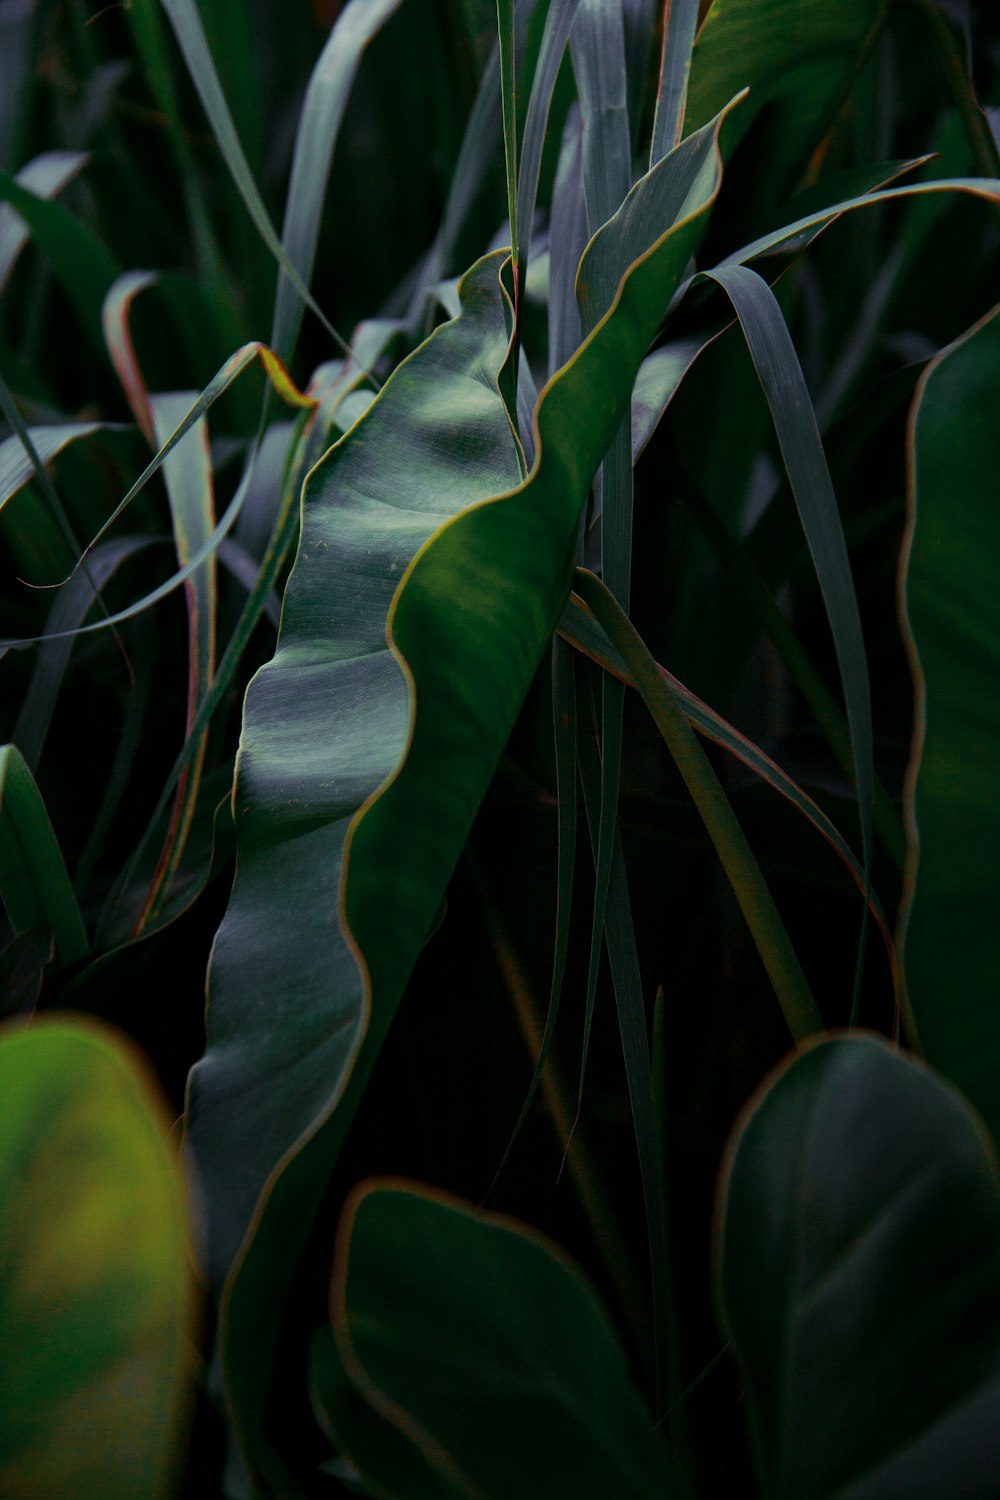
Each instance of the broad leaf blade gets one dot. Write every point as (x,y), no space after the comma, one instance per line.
(470,621)
(951,953)
(483,1343)
(860,1280)
(95,1305)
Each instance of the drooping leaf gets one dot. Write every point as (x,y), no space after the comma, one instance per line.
(486,1347)
(332,748)
(96,1297)
(859,1279)
(34,886)
(951,951)
(44,176)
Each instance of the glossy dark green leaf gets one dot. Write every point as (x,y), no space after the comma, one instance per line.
(951,948)
(795,56)
(486,1347)
(388,1457)
(96,1295)
(333,751)
(34,886)
(859,1279)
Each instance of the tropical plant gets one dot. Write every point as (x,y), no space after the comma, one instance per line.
(584,691)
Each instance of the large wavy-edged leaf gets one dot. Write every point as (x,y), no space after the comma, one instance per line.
(95,1300)
(34,887)
(392,744)
(486,1348)
(951,950)
(860,1280)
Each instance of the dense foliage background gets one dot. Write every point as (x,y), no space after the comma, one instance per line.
(485,929)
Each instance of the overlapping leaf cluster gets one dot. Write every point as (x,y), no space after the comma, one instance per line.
(352,713)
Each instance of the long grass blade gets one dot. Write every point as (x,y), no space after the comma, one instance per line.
(780,375)
(190,491)
(579,627)
(558,24)
(190,35)
(680,21)
(735,854)
(315,140)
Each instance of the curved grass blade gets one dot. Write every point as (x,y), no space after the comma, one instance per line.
(82,264)
(315,139)
(96,1307)
(951,620)
(115,321)
(190,490)
(469,619)
(579,628)
(749,886)
(821,702)
(233,367)
(498,1363)
(19,464)
(72,604)
(858,1265)
(987,188)
(780,375)
(45,177)
(190,35)
(34,885)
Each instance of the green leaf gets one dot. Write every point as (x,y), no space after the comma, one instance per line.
(45,177)
(96,1296)
(951,952)
(82,264)
(391,1461)
(191,39)
(333,751)
(859,1280)
(795,56)
(680,21)
(735,854)
(34,885)
(784,385)
(579,627)
(486,1347)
